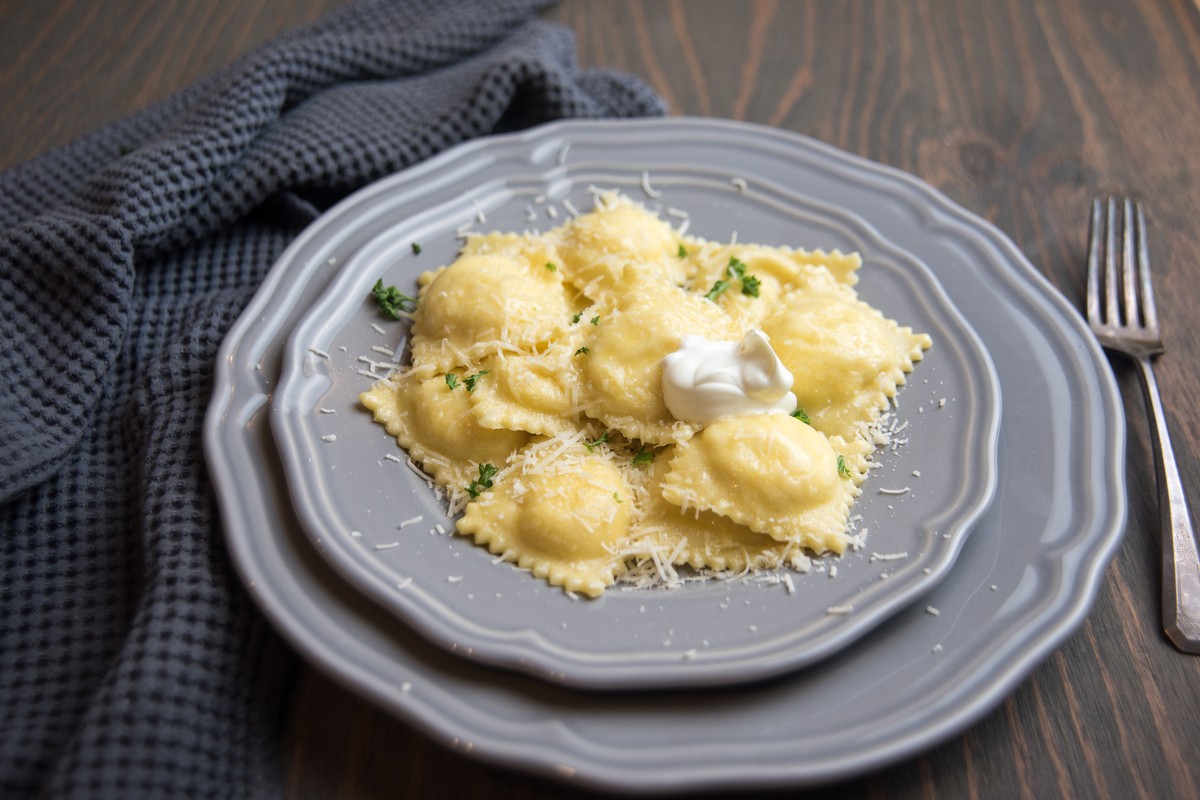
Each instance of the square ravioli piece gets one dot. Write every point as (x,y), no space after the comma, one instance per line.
(561,513)
(770,472)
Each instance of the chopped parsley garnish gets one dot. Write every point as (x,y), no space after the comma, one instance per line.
(576,318)
(596,320)
(474,379)
(451,380)
(683,251)
(392,301)
(484,481)
(551,266)
(416,248)
(599,440)
(583,351)
(643,457)
(800,415)
(716,290)
(843,470)
(735,271)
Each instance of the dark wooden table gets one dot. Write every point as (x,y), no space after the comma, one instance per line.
(1020,110)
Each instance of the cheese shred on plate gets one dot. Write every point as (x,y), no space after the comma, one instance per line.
(534,399)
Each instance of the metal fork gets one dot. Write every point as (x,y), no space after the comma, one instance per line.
(1120,309)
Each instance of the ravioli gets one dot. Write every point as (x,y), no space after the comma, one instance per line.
(695,537)
(644,322)
(534,398)
(435,423)
(597,247)
(777,271)
(770,472)
(485,303)
(851,356)
(536,392)
(563,521)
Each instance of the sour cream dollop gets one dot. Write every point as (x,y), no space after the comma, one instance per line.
(704,380)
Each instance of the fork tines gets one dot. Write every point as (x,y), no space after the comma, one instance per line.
(1128,298)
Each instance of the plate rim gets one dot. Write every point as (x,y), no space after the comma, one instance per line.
(1103,536)
(534,649)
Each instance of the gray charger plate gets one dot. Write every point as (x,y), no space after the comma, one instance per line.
(351,491)
(1024,581)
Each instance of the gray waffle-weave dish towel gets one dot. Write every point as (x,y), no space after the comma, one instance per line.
(132,662)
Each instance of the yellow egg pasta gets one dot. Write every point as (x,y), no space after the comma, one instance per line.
(770,472)
(430,415)
(534,398)
(535,392)
(627,341)
(564,521)
(597,247)
(487,303)
(852,357)
(778,271)
(665,533)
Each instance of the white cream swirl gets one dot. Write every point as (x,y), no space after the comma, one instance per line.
(704,380)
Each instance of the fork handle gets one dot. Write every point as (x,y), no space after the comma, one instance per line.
(1181,567)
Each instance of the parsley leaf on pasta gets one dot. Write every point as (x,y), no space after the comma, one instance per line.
(484,481)
(736,270)
(474,379)
(599,440)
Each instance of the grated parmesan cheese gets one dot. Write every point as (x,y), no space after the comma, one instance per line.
(650,191)
(642,563)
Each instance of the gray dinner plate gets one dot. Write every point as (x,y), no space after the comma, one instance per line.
(1021,583)
(356,498)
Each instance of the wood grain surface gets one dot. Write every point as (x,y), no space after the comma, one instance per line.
(1020,110)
